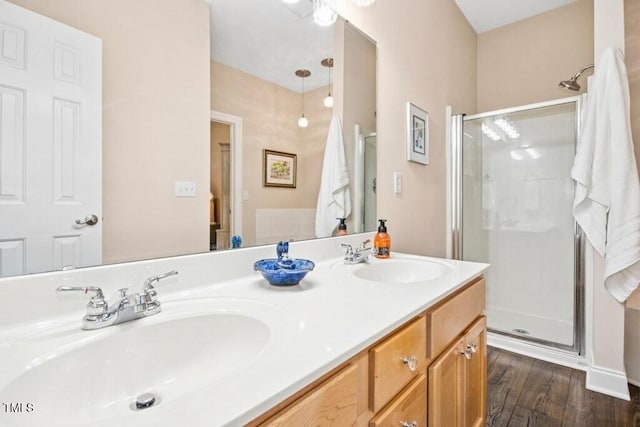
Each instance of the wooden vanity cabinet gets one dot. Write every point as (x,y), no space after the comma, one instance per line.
(458,381)
(332,403)
(395,361)
(433,368)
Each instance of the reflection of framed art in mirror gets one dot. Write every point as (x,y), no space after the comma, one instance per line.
(279,169)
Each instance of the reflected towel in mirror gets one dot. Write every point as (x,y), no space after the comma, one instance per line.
(334,198)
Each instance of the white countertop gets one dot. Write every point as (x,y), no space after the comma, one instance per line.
(332,315)
(325,320)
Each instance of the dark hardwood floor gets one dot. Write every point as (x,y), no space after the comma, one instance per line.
(529,392)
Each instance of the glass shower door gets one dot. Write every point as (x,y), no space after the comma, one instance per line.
(516,214)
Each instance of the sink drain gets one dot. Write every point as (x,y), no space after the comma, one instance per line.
(521,331)
(144,401)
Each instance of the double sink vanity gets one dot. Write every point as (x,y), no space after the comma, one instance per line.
(397,342)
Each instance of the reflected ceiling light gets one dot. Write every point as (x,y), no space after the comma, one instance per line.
(533,153)
(490,132)
(516,155)
(323,15)
(507,127)
(328,101)
(363,3)
(303,122)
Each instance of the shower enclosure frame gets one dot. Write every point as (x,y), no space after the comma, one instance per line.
(455,219)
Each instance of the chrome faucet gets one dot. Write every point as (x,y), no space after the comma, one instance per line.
(127,307)
(358,255)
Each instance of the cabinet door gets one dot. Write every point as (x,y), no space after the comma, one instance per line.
(446,397)
(333,403)
(475,376)
(409,408)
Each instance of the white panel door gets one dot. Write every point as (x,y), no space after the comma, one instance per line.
(50,144)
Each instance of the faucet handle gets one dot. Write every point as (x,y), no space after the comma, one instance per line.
(349,248)
(149,293)
(148,284)
(363,245)
(97,305)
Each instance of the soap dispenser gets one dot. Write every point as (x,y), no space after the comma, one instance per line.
(342,227)
(382,241)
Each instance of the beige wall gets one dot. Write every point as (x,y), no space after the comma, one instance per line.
(155,120)
(269,118)
(632,51)
(426,55)
(523,62)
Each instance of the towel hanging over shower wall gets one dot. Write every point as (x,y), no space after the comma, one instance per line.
(607,197)
(334,199)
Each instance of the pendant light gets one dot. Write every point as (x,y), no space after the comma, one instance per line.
(303,122)
(323,15)
(363,3)
(328,62)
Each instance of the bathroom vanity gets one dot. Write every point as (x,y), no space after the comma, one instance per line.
(432,368)
(381,343)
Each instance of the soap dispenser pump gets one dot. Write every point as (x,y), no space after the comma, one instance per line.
(382,241)
(342,227)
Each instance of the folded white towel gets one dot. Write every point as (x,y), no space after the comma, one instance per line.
(607,197)
(334,198)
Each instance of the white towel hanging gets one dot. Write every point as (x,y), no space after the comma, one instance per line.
(334,198)
(607,197)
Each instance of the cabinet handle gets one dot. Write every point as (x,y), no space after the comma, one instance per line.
(409,424)
(469,351)
(411,362)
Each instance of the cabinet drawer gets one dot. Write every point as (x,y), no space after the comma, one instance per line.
(389,373)
(409,407)
(452,317)
(332,403)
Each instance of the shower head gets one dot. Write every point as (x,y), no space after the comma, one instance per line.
(572,83)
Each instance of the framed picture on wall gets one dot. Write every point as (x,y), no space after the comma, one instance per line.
(417,134)
(279,169)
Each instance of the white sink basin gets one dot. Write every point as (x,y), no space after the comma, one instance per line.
(402,270)
(74,377)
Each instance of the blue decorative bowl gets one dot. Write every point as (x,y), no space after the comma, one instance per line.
(279,272)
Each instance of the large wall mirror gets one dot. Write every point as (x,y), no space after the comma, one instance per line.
(127,135)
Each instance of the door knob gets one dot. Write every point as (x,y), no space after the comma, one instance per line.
(88,220)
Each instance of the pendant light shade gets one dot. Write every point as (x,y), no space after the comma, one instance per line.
(323,15)
(328,62)
(303,122)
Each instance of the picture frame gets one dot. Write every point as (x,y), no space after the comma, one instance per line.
(279,169)
(417,134)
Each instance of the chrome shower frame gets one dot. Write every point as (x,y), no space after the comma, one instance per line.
(456,228)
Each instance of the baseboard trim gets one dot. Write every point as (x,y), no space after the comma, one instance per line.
(609,382)
(537,351)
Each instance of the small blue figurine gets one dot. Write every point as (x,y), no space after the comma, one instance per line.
(236,241)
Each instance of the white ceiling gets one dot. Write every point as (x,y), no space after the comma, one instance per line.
(271,39)
(485,15)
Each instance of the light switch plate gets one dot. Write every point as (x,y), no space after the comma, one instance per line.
(397,182)
(185,188)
